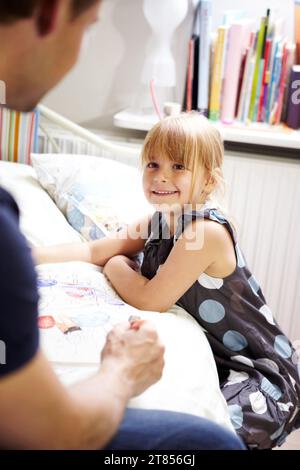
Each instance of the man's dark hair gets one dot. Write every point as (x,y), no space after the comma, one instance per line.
(12,10)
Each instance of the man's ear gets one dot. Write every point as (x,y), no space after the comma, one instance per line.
(46,16)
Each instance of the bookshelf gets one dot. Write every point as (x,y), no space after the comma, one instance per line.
(252,83)
(255,137)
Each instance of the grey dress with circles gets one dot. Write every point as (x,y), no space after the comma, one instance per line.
(259,370)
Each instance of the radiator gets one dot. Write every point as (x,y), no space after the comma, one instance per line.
(264,198)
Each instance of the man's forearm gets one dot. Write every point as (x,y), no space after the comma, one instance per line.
(85,416)
(101,402)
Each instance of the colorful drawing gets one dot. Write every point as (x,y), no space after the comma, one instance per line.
(65,324)
(83,308)
(79,292)
(46,283)
(46,321)
(116,302)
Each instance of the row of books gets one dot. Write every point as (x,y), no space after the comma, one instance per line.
(242,74)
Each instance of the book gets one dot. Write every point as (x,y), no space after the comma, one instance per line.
(293,106)
(244,105)
(218,73)
(238,39)
(204,56)
(297,29)
(288,50)
(274,84)
(190,101)
(195,83)
(241,76)
(265,81)
(190,77)
(249,82)
(258,66)
(248,56)
(262,69)
(290,62)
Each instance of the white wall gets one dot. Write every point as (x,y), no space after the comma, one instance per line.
(107,76)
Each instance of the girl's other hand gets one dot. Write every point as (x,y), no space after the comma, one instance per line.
(115,261)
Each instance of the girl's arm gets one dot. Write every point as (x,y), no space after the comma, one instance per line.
(128,241)
(202,244)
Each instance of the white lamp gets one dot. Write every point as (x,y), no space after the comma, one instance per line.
(163,16)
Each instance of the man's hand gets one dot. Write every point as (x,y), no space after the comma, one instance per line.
(138,354)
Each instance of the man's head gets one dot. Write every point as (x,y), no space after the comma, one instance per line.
(12,10)
(39,43)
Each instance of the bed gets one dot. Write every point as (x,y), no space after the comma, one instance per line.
(72,198)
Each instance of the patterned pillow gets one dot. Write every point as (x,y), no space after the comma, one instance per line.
(92,217)
(97,195)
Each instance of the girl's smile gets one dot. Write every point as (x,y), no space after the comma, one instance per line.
(163,193)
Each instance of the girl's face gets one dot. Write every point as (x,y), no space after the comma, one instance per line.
(167,182)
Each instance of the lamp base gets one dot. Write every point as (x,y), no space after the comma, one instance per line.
(131,119)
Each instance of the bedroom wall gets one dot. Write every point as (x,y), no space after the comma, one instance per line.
(106,77)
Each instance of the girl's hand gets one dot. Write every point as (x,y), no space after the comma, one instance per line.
(118,260)
(130,262)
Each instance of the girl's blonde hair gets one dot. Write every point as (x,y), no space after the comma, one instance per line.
(191,140)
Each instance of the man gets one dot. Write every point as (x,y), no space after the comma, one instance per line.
(39,43)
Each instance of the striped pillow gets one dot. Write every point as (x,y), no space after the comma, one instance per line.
(18,135)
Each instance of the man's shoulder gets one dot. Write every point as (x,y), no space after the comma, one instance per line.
(15,254)
(8,207)
(18,291)
(6,199)
(10,235)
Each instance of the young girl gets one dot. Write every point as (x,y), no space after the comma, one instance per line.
(192,258)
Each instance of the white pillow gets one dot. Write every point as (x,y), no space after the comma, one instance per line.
(76,295)
(41,221)
(97,195)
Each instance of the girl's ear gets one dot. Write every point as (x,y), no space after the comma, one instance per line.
(213,180)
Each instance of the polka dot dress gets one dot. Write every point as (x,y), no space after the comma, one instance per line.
(259,371)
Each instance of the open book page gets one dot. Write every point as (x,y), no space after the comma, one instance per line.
(77,309)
